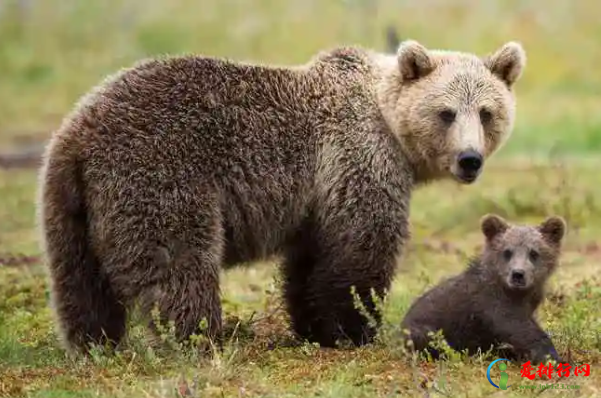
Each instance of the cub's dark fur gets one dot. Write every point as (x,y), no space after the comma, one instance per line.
(493,301)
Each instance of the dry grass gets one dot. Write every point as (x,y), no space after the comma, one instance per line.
(257,362)
(52,55)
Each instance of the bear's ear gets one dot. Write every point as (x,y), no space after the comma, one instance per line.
(492,225)
(553,229)
(507,63)
(414,60)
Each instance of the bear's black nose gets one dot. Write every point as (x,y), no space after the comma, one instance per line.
(517,277)
(469,161)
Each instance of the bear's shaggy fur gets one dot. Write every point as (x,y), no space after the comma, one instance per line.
(177,167)
(493,301)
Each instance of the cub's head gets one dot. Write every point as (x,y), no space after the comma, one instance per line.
(522,256)
(451,110)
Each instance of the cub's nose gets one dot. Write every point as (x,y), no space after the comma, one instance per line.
(470,162)
(517,277)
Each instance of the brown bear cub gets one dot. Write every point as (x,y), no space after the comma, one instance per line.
(493,301)
(179,167)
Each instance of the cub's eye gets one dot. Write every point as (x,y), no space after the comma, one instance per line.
(533,254)
(485,115)
(507,254)
(447,116)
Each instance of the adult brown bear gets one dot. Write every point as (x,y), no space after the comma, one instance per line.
(177,167)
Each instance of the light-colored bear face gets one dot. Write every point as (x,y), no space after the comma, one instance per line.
(451,110)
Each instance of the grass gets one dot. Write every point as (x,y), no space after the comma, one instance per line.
(255,364)
(54,53)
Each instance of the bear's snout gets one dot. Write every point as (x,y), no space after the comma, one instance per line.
(518,277)
(469,164)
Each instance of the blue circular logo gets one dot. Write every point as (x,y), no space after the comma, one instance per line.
(488,371)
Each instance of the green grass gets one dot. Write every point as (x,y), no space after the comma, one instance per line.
(550,166)
(445,233)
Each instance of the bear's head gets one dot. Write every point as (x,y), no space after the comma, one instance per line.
(522,256)
(451,110)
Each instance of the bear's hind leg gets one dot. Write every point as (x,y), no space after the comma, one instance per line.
(186,290)
(419,340)
(170,260)
(180,280)
(89,312)
(301,256)
(188,296)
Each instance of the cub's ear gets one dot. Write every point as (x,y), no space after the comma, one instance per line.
(553,229)
(493,225)
(414,60)
(507,63)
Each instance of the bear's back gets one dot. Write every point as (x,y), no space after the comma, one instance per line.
(248,133)
(205,109)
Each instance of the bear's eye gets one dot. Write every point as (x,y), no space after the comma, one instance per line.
(533,254)
(485,116)
(447,116)
(507,254)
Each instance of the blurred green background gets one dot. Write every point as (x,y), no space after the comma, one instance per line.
(53,51)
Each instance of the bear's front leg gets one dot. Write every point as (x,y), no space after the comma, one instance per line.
(526,337)
(338,249)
